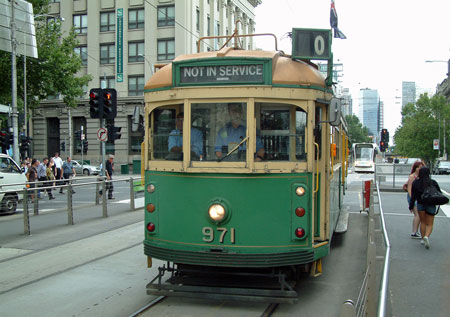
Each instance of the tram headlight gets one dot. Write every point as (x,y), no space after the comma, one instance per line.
(300,191)
(217,212)
(150,188)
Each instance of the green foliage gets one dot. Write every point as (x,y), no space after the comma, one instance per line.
(53,72)
(356,131)
(420,126)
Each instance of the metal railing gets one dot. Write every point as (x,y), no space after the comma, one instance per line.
(40,186)
(367,303)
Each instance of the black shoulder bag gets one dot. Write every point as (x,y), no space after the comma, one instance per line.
(431,196)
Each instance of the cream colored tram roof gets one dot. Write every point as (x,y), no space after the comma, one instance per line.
(285,71)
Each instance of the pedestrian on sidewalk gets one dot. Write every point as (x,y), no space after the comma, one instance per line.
(42,174)
(32,176)
(58,166)
(426,212)
(68,172)
(109,170)
(51,177)
(415,234)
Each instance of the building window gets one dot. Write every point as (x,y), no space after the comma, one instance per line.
(108,82)
(166,16)
(166,49)
(107,21)
(82,52)
(136,85)
(107,53)
(80,23)
(136,19)
(135,52)
(137,136)
(208,27)
(197,19)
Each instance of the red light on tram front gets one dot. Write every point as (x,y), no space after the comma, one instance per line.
(300,211)
(300,232)
(151,208)
(151,227)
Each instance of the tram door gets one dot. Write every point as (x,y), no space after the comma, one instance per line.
(320,172)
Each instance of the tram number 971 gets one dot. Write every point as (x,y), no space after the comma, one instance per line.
(209,234)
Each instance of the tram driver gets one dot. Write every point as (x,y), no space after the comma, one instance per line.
(232,135)
(176,141)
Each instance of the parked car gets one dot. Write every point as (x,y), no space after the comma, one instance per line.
(442,167)
(87,168)
(10,173)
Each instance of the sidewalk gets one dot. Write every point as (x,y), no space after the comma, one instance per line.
(52,229)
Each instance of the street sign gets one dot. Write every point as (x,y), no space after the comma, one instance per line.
(102,134)
(436,144)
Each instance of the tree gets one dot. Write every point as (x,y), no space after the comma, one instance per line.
(420,126)
(53,72)
(356,131)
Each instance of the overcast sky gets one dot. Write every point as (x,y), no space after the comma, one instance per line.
(387,42)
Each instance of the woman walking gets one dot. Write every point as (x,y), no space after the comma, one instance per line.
(416,220)
(426,212)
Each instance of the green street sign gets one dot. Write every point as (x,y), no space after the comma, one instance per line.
(119,45)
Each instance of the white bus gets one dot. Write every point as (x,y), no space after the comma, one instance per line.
(365,157)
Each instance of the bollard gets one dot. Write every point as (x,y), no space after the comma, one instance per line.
(36,201)
(105,205)
(132,205)
(69,204)
(97,190)
(26,215)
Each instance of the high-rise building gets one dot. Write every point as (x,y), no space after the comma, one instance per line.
(370,110)
(408,92)
(121,42)
(347,102)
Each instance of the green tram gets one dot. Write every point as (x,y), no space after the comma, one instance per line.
(245,161)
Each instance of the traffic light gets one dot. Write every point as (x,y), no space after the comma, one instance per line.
(77,135)
(9,140)
(385,135)
(2,139)
(109,103)
(24,145)
(63,146)
(382,146)
(96,103)
(85,146)
(114,133)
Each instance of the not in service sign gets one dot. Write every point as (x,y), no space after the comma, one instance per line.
(220,74)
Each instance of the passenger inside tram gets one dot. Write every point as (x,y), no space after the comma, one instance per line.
(231,139)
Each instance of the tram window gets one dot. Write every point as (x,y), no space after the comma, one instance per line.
(165,123)
(281,139)
(222,127)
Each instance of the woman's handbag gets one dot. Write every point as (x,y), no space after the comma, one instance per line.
(405,187)
(431,196)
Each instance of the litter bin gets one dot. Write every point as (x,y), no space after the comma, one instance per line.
(124,169)
(136,166)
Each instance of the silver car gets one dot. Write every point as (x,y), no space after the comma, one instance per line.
(87,169)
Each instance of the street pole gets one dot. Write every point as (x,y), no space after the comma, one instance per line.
(82,149)
(445,151)
(14,115)
(25,122)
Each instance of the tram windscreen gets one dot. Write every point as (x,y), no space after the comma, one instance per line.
(219,131)
(364,153)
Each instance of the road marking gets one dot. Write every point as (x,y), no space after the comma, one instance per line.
(138,202)
(446,210)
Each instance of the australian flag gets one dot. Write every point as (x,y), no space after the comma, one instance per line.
(334,22)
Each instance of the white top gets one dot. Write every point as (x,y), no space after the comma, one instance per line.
(58,162)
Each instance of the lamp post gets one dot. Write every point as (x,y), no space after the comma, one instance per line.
(149,63)
(448,75)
